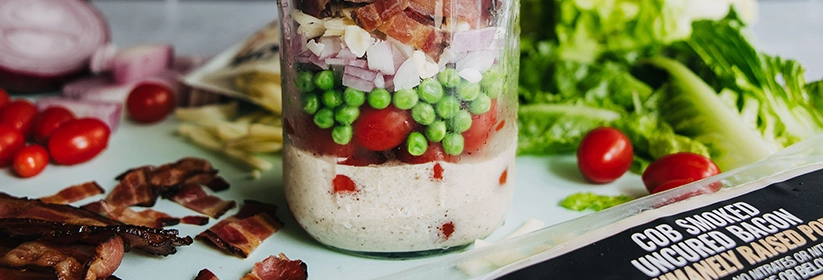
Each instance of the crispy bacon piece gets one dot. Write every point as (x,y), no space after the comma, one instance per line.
(29,219)
(72,261)
(133,189)
(141,186)
(206,274)
(278,268)
(25,274)
(374,15)
(241,233)
(408,31)
(74,193)
(194,220)
(146,218)
(315,8)
(194,197)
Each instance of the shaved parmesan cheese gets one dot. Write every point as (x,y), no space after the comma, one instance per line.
(309,26)
(380,58)
(357,39)
(426,67)
(471,75)
(315,47)
(406,76)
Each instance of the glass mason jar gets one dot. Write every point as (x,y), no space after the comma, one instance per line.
(400,119)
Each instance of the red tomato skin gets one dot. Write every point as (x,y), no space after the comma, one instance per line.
(19,113)
(384,129)
(604,155)
(682,165)
(4,97)
(47,121)
(30,160)
(150,102)
(78,141)
(11,141)
(475,138)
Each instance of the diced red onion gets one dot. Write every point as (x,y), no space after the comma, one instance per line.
(320,62)
(361,63)
(380,58)
(346,53)
(361,73)
(102,59)
(379,81)
(97,88)
(108,112)
(44,43)
(357,83)
(142,61)
(331,46)
(473,40)
(480,60)
(336,61)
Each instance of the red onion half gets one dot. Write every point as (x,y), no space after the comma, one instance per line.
(44,43)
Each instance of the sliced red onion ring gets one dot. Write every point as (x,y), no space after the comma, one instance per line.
(44,43)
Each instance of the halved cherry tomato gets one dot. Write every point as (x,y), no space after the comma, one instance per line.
(476,136)
(150,102)
(4,97)
(30,160)
(11,141)
(604,155)
(78,140)
(684,165)
(47,121)
(380,130)
(18,113)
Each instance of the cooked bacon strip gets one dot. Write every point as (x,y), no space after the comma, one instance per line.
(74,193)
(278,268)
(206,274)
(34,219)
(408,31)
(194,197)
(241,233)
(25,274)
(69,262)
(133,189)
(146,218)
(143,185)
(374,15)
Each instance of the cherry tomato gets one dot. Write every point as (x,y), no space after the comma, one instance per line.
(380,130)
(47,121)
(475,137)
(688,166)
(435,152)
(78,140)
(4,97)
(11,141)
(30,160)
(18,113)
(604,155)
(150,102)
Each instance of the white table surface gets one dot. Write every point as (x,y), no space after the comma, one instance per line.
(792,29)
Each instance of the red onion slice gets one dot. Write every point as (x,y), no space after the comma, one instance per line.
(43,43)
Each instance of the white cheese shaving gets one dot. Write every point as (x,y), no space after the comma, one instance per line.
(426,67)
(357,39)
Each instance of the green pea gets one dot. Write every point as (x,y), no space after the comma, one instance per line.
(332,98)
(311,103)
(467,90)
(480,105)
(324,80)
(305,82)
(448,77)
(405,99)
(436,131)
(379,98)
(430,90)
(453,143)
(354,97)
(493,82)
(423,113)
(346,115)
(460,122)
(324,118)
(447,107)
(342,134)
(417,143)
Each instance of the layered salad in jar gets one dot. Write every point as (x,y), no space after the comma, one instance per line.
(400,117)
